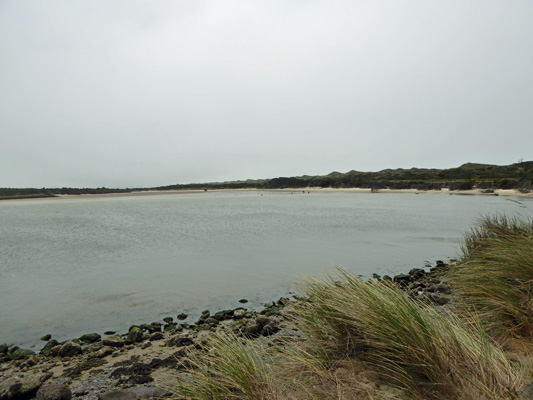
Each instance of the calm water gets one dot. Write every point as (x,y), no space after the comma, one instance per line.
(72,266)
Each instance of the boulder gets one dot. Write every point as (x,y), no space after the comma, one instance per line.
(252,329)
(182,316)
(416,273)
(269,329)
(69,349)
(156,336)
(180,340)
(46,337)
(443,288)
(90,338)
(20,354)
(401,280)
(54,391)
(135,335)
(239,313)
(48,347)
(439,298)
(22,386)
(137,392)
(211,321)
(113,341)
(223,315)
(104,352)
(168,320)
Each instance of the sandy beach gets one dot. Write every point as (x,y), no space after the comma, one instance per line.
(478,192)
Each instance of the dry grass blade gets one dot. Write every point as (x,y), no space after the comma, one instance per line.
(424,350)
(228,369)
(495,275)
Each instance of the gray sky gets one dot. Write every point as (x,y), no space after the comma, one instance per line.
(146,93)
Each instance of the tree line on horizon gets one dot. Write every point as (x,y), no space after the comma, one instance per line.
(467,176)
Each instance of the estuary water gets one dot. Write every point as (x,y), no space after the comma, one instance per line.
(70,266)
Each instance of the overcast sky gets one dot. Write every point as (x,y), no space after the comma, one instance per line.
(145,93)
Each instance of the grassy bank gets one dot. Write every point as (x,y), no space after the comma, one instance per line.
(366,340)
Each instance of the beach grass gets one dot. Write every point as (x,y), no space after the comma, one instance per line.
(428,352)
(494,277)
(228,367)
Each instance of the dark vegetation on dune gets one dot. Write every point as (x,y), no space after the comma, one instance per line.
(468,176)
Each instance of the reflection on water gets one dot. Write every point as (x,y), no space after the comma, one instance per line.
(70,266)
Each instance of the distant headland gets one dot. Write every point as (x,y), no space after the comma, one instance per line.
(484,177)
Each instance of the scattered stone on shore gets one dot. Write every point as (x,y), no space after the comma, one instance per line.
(138,392)
(46,337)
(135,335)
(22,385)
(113,341)
(90,338)
(54,391)
(426,286)
(69,349)
(93,367)
(182,316)
(243,301)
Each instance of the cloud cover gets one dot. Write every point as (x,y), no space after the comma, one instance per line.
(142,93)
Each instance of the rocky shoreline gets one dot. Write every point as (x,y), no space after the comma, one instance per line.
(136,365)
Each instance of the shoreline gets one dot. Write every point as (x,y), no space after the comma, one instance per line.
(308,190)
(101,367)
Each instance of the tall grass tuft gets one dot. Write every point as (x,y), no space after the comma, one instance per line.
(430,353)
(495,275)
(228,369)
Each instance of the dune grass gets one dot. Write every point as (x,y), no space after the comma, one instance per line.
(345,322)
(430,353)
(228,369)
(494,277)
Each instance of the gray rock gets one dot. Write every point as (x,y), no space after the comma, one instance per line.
(137,392)
(49,346)
(443,288)
(180,340)
(182,316)
(401,279)
(113,341)
(269,329)
(156,336)
(104,352)
(239,313)
(211,321)
(54,391)
(32,360)
(439,298)
(90,338)
(69,349)
(263,320)
(135,335)
(252,329)
(22,386)
(416,273)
